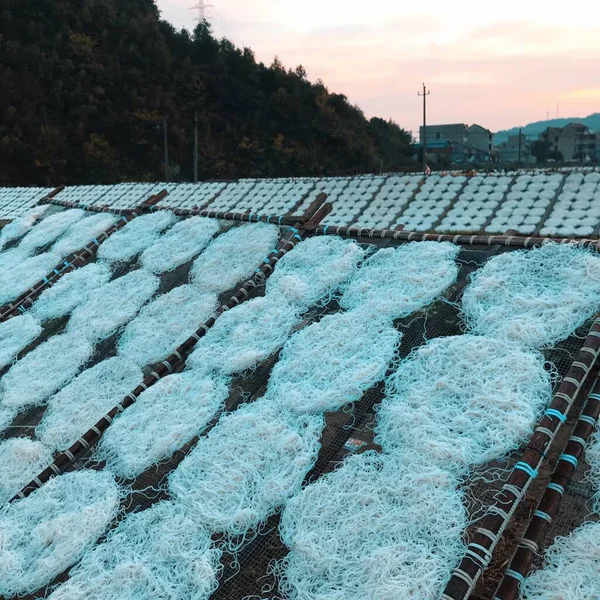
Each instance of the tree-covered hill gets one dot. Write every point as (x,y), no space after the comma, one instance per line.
(87,83)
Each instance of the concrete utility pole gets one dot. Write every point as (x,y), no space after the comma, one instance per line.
(196,146)
(520,137)
(424,140)
(166,144)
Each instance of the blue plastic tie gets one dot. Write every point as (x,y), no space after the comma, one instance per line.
(543,515)
(326,228)
(522,466)
(569,458)
(557,488)
(552,412)
(520,578)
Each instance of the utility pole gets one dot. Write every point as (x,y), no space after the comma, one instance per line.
(196,146)
(424,137)
(520,137)
(166,145)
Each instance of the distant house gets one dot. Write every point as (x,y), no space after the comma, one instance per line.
(575,142)
(509,151)
(458,142)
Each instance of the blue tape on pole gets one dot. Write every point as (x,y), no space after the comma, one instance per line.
(325,229)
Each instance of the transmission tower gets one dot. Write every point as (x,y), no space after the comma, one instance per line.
(200,7)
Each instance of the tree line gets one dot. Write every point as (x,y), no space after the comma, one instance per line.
(86,85)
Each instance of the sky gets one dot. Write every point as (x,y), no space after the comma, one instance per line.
(498,64)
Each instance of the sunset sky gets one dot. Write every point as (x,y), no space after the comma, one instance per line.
(499,64)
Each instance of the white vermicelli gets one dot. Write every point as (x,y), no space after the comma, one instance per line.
(16,334)
(377,528)
(82,403)
(462,401)
(396,282)
(248,465)
(70,291)
(50,228)
(244,336)
(47,532)
(333,362)
(233,257)
(161,553)
(164,418)
(314,270)
(113,305)
(180,244)
(535,297)
(570,570)
(21,459)
(44,370)
(166,323)
(135,237)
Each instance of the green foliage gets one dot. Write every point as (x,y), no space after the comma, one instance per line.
(86,84)
(541,149)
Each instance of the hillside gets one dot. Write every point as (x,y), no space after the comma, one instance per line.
(86,84)
(592,121)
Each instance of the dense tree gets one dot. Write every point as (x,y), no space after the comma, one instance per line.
(87,84)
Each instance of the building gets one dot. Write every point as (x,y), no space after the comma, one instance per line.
(515,150)
(574,142)
(459,142)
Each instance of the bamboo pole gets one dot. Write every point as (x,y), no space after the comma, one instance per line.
(514,241)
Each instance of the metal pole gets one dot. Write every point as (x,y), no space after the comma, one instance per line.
(196,146)
(166,145)
(424,140)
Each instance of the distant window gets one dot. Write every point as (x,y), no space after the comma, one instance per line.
(438,135)
(556,140)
